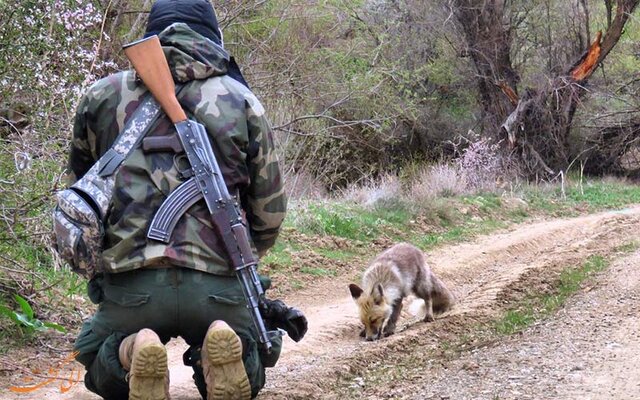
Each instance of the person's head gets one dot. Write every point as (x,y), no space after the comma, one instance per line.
(198,14)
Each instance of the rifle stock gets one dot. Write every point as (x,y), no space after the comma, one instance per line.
(151,65)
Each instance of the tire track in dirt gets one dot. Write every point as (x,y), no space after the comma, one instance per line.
(588,350)
(477,273)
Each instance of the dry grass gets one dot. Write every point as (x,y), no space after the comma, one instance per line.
(386,189)
(478,170)
(441,180)
(302,185)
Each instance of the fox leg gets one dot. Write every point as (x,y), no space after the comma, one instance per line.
(422,290)
(429,305)
(390,328)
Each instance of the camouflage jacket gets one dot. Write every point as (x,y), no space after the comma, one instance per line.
(240,136)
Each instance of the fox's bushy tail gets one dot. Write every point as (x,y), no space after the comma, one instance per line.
(443,298)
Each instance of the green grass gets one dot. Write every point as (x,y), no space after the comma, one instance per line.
(466,229)
(444,221)
(362,224)
(279,255)
(486,202)
(348,221)
(518,215)
(534,307)
(429,241)
(537,305)
(297,284)
(627,247)
(515,320)
(29,255)
(604,194)
(38,261)
(32,266)
(592,195)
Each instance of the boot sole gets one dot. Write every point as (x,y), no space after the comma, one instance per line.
(148,373)
(229,377)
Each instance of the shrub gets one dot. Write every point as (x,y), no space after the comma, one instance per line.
(482,165)
(441,180)
(48,54)
(385,190)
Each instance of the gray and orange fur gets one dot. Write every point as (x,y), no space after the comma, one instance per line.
(391,276)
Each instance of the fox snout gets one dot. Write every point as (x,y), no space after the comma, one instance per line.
(374,310)
(376,336)
(370,334)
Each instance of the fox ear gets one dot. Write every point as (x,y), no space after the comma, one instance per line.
(355,290)
(378,294)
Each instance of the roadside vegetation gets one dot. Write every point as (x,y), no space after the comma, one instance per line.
(538,305)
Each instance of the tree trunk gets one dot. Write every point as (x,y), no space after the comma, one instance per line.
(537,131)
(489,46)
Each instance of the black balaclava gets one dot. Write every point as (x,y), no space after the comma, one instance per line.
(199,15)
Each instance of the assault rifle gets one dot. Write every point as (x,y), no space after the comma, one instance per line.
(207,181)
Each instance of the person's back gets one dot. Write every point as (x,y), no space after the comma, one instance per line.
(240,137)
(150,291)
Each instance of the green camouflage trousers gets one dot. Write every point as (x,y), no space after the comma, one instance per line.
(173,302)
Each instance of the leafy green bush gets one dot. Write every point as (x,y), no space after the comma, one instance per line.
(49,53)
(26,319)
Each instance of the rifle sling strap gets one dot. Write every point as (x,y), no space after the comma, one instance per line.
(131,135)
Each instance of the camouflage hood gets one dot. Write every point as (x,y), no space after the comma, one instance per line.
(192,56)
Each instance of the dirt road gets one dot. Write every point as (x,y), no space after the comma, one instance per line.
(588,350)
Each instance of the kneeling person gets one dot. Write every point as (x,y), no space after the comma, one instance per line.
(150,291)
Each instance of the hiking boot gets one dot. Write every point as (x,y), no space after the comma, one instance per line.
(222,364)
(144,356)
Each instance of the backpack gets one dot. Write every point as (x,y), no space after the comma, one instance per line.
(80,211)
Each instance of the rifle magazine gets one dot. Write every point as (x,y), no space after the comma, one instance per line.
(172,209)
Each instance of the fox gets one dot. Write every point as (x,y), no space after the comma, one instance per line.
(391,276)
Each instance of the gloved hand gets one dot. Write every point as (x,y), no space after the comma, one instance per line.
(276,314)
